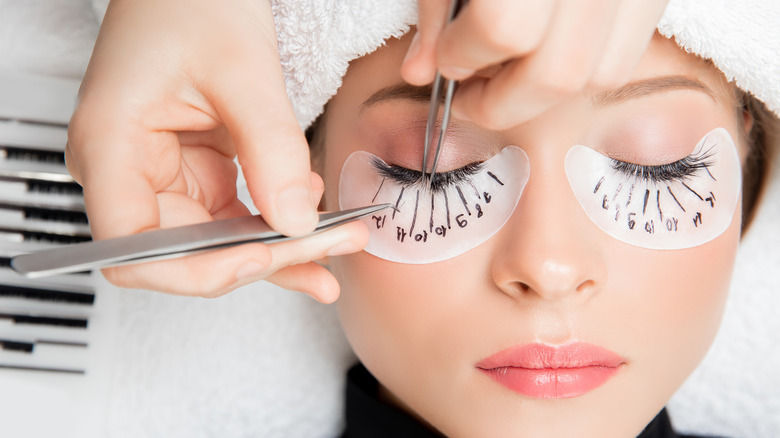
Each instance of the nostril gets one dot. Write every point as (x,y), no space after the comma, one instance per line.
(524,287)
(586,286)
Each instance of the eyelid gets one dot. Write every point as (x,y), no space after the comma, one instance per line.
(409,177)
(679,170)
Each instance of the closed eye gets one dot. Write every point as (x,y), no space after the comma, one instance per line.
(409,177)
(680,170)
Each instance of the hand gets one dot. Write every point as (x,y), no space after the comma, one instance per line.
(519,58)
(173,92)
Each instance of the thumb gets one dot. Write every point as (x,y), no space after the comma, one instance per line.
(252,102)
(419,66)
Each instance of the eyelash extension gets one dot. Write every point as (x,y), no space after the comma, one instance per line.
(679,170)
(408,177)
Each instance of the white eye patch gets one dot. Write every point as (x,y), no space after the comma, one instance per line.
(463,209)
(672,206)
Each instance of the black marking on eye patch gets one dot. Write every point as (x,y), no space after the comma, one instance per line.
(675,198)
(463,199)
(476,191)
(495,178)
(617,192)
(630,195)
(644,207)
(711,199)
(447,207)
(414,216)
(430,222)
(693,191)
(658,204)
(395,209)
(378,190)
(598,185)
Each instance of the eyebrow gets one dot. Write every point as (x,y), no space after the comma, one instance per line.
(400,91)
(632,90)
(645,87)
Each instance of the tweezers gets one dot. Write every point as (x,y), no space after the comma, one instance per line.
(168,243)
(448,88)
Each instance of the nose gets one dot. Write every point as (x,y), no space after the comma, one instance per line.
(549,249)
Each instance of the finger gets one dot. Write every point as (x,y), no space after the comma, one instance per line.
(317,189)
(206,275)
(633,29)
(271,147)
(526,87)
(419,66)
(206,176)
(293,269)
(486,33)
(292,266)
(122,162)
(210,176)
(218,139)
(309,278)
(71,164)
(345,239)
(120,199)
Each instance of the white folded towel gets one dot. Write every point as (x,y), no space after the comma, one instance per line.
(741,37)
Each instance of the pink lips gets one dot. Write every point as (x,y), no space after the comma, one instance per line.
(546,371)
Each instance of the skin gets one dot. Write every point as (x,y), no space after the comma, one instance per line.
(549,275)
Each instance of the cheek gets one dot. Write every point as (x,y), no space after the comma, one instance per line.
(417,327)
(391,311)
(672,303)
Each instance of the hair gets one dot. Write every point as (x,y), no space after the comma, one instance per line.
(315,136)
(762,140)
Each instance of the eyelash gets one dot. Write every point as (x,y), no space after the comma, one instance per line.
(679,170)
(441,180)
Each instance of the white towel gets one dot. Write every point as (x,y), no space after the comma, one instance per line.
(741,37)
(265,362)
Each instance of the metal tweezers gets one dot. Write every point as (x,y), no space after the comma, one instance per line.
(439,86)
(168,243)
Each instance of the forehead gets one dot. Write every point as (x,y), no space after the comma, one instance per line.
(664,57)
(661,58)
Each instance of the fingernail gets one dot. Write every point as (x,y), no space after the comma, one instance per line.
(343,248)
(414,48)
(456,72)
(295,207)
(250,269)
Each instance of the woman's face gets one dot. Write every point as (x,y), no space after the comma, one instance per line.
(628,323)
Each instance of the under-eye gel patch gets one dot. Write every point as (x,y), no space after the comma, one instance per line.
(671,206)
(463,208)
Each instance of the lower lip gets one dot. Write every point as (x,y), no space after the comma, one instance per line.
(552,382)
(552,372)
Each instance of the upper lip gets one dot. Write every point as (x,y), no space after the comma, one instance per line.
(544,356)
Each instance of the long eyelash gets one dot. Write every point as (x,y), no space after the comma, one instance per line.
(408,177)
(680,170)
